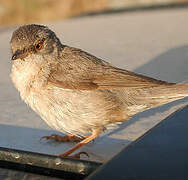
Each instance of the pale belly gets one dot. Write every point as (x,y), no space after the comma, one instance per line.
(74,112)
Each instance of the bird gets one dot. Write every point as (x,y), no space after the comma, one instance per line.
(77,93)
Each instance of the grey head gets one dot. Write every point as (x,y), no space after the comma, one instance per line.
(33,39)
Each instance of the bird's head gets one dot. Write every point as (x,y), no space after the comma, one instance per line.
(37,40)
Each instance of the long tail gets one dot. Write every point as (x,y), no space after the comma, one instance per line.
(147,98)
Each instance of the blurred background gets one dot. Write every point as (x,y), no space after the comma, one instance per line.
(29,11)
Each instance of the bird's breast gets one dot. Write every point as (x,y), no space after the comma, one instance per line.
(27,78)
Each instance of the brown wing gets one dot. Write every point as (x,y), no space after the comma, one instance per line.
(80,70)
(119,78)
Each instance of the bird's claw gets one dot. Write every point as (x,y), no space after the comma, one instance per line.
(51,137)
(75,156)
(58,138)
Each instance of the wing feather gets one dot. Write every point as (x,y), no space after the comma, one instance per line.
(82,71)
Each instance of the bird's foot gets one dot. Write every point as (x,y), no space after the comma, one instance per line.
(68,138)
(75,156)
(80,144)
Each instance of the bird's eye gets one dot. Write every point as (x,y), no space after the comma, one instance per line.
(39,46)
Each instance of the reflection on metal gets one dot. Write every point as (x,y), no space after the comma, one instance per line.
(46,164)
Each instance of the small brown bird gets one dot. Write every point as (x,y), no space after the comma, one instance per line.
(76,92)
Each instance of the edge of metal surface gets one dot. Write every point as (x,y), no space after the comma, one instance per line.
(48,165)
(133,162)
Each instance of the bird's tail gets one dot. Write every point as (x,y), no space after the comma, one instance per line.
(147,98)
(168,92)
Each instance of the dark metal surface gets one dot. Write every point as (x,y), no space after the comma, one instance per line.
(161,153)
(9,174)
(46,164)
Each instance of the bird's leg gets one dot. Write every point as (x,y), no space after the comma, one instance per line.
(68,138)
(80,144)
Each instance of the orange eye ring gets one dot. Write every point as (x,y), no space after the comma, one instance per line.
(39,46)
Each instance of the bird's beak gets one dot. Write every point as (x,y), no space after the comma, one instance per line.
(19,54)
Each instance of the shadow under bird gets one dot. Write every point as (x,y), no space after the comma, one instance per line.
(77,93)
